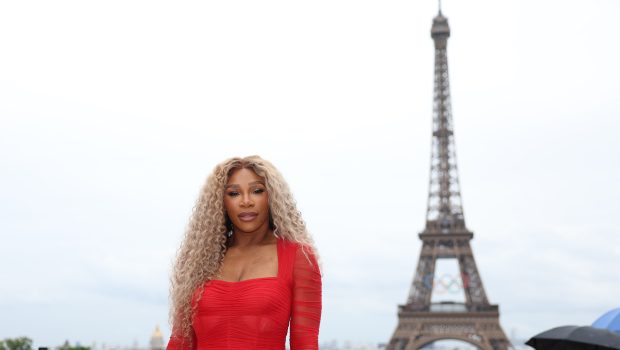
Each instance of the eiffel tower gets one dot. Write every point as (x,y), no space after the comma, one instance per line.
(420,321)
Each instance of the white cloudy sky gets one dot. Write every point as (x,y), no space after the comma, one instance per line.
(113,113)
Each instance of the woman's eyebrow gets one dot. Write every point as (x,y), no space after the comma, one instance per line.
(251,183)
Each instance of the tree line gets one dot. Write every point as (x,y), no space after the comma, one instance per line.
(25,343)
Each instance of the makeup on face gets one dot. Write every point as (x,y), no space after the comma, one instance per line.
(246,201)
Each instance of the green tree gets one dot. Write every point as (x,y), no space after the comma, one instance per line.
(21,343)
(67,346)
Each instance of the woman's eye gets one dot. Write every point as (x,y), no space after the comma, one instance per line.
(259,191)
(233,193)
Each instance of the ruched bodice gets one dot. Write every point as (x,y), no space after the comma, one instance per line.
(256,313)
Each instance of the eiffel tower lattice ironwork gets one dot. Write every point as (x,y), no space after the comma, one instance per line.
(421,322)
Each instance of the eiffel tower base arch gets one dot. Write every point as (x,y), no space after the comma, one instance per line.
(416,329)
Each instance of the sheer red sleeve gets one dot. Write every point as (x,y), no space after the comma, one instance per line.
(178,342)
(306,306)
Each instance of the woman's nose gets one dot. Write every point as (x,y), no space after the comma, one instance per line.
(246,201)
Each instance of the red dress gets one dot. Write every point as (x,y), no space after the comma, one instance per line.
(255,313)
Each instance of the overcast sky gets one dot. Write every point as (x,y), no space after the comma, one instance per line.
(114,112)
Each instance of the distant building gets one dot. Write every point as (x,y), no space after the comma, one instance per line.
(157,340)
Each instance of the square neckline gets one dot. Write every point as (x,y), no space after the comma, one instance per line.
(277,276)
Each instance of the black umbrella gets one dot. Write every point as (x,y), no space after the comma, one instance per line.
(575,338)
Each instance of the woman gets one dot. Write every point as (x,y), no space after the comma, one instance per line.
(247,266)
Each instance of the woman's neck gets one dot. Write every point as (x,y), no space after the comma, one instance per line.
(247,239)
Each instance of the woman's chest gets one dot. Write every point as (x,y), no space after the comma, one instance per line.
(261,296)
(261,262)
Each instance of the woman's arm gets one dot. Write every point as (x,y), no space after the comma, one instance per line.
(306,306)
(179,342)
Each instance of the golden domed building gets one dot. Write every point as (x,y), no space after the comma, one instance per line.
(157,340)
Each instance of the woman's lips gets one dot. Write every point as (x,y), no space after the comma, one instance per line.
(247,216)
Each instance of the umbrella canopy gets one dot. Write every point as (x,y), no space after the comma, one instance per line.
(609,321)
(575,338)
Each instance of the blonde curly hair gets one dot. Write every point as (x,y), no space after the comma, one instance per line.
(202,251)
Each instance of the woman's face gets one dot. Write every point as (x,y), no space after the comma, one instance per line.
(246,201)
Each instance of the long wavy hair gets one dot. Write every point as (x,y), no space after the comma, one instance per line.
(201,253)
